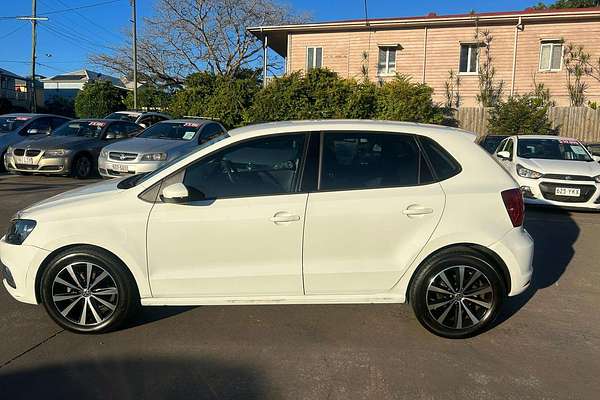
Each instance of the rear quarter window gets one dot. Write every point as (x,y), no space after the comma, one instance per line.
(444,165)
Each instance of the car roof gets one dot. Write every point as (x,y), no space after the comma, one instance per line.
(108,121)
(32,115)
(543,137)
(349,125)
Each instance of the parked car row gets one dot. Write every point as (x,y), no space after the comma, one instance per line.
(53,145)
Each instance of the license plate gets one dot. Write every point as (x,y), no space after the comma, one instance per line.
(571,192)
(28,161)
(120,168)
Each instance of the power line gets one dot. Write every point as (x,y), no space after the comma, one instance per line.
(13,31)
(81,7)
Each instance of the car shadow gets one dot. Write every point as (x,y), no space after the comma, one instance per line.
(554,232)
(150,314)
(135,378)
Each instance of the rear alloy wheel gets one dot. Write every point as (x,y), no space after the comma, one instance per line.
(457,295)
(82,167)
(88,291)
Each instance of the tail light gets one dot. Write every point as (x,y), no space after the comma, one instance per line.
(513,201)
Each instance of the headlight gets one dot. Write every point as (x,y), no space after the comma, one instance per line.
(104,154)
(528,173)
(597,178)
(55,153)
(18,230)
(9,151)
(154,157)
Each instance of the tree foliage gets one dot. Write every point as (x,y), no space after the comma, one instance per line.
(60,106)
(191,36)
(321,94)
(98,99)
(149,98)
(568,4)
(521,115)
(218,97)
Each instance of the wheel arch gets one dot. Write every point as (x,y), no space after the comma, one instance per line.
(489,255)
(53,254)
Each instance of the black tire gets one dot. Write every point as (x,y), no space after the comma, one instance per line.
(452,312)
(90,303)
(82,167)
(2,167)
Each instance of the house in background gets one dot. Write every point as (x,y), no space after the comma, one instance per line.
(69,84)
(527,48)
(16,89)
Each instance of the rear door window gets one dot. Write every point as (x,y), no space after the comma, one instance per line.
(366,160)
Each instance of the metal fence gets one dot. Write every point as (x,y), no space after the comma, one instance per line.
(582,123)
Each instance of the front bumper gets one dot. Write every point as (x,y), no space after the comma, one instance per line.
(516,250)
(40,165)
(540,192)
(112,169)
(23,262)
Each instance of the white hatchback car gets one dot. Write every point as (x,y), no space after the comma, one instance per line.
(552,170)
(285,213)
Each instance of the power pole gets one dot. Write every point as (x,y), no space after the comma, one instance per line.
(134,34)
(33,18)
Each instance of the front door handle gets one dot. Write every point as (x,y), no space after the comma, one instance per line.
(284,216)
(417,210)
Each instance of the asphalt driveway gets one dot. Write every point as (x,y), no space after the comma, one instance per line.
(546,344)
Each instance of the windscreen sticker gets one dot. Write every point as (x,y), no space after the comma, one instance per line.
(188,135)
(578,150)
(22,118)
(568,141)
(192,124)
(97,123)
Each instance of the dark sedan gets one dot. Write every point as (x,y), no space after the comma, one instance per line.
(71,149)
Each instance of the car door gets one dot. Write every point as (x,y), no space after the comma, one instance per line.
(376,207)
(245,237)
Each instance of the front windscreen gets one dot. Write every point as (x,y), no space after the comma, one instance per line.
(172,131)
(552,149)
(89,129)
(12,123)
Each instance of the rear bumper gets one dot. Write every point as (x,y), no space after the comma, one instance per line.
(22,262)
(516,250)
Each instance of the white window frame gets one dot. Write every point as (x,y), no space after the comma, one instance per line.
(551,43)
(470,45)
(314,49)
(387,71)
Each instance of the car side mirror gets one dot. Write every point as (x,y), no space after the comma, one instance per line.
(110,136)
(505,155)
(179,193)
(596,158)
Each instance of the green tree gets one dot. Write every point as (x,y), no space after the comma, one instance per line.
(5,105)
(568,4)
(98,99)
(149,98)
(60,106)
(403,100)
(520,115)
(216,96)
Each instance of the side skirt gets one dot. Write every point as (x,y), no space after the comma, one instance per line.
(307,299)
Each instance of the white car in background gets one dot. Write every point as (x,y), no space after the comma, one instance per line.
(552,170)
(143,118)
(285,213)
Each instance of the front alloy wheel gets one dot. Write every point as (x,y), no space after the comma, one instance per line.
(87,290)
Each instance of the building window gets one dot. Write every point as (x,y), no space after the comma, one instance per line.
(314,57)
(387,61)
(469,55)
(3,83)
(551,53)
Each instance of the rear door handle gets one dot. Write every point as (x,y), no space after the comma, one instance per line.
(417,210)
(284,216)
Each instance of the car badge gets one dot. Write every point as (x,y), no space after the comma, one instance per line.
(568,178)
(122,157)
